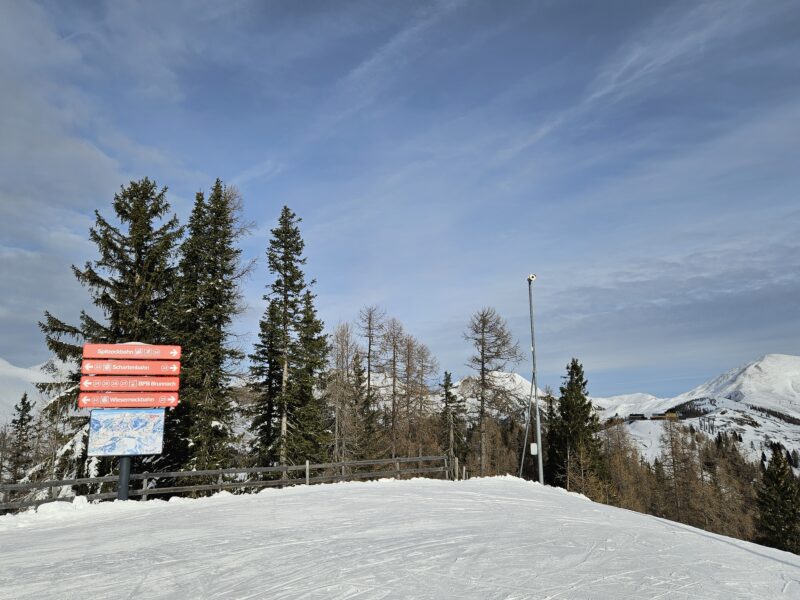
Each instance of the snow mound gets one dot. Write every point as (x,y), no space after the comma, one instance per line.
(487,538)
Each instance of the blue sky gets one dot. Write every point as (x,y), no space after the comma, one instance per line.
(642,158)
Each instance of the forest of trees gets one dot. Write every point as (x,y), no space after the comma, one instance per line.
(358,390)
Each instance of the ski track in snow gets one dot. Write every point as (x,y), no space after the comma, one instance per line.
(498,538)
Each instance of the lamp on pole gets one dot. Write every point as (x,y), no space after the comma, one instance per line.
(534,393)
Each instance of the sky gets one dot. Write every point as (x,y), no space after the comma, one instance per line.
(641,158)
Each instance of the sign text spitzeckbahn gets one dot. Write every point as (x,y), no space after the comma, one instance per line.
(132,351)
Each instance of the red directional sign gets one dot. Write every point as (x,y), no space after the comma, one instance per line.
(104,383)
(130,367)
(132,351)
(127,400)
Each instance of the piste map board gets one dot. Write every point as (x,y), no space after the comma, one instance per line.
(126,432)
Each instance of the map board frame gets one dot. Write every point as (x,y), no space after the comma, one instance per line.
(132,432)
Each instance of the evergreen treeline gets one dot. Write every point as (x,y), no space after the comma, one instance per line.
(365,390)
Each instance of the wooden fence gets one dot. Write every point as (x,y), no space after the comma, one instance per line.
(244,480)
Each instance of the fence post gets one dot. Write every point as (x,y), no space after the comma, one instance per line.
(455,468)
(397,468)
(144,487)
(308,475)
(219,481)
(463,472)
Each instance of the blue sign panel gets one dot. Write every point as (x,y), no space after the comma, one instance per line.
(126,432)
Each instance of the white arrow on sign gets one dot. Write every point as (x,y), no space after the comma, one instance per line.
(85,400)
(173,368)
(173,352)
(89,366)
(171,398)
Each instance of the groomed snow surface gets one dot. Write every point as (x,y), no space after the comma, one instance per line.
(483,538)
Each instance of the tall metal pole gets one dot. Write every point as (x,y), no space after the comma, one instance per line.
(534,392)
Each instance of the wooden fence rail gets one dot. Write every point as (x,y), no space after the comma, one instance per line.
(245,479)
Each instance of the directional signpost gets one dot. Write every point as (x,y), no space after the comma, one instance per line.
(122,380)
(130,367)
(127,400)
(134,384)
(133,351)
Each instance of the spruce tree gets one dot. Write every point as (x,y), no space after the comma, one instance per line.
(550,435)
(129,283)
(266,370)
(291,334)
(308,438)
(206,300)
(778,501)
(574,444)
(21,454)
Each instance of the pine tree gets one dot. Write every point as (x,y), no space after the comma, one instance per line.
(204,305)
(130,283)
(494,349)
(550,436)
(267,372)
(778,501)
(454,413)
(574,431)
(308,438)
(291,334)
(21,455)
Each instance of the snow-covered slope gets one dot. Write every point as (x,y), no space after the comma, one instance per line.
(14,381)
(771,382)
(423,539)
(627,404)
(759,401)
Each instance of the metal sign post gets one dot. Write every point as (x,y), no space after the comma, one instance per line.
(124,477)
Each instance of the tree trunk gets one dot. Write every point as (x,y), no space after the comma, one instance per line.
(284,416)
(450,450)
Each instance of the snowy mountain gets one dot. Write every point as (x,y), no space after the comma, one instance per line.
(483,538)
(14,381)
(515,391)
(759,401)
